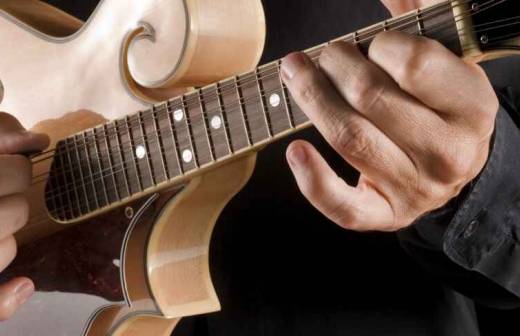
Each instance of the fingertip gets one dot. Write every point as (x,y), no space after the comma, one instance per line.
(24,290)
(42,140)
(297,154)
(13,294)
(294,63)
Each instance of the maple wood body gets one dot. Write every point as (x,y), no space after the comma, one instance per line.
(61,77)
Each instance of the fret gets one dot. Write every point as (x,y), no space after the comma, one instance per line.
(263,104)
(127,150)
(183,135)
(141,151)
(251,102)
(420,24)
(285,94)
(224,117)
(97,170)
(153,146)
(77,180)
(356,37)
(275,101)
(80,164)
(65,184)
(240,103)
(88,175)
(169,142)
(234,115)
(86,172)
(115,154)
(160,140)
(107,170)
(196,117)
(217,124)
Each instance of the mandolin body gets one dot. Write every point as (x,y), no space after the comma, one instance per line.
(136,269)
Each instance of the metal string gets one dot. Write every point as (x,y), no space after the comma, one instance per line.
(252,77)
(276,73)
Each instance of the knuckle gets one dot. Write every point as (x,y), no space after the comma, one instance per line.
(19,212)
(417,61)
(351,139)
(365,88)
(308,92)
(9,250)
(17,170)
(345,215)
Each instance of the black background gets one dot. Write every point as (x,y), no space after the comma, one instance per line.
(279,266)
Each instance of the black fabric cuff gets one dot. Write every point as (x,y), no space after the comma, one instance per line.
(479,230)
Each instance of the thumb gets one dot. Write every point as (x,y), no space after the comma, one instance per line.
(360,209)
(14,139)
(13,294)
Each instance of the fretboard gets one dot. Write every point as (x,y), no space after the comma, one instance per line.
(175,140)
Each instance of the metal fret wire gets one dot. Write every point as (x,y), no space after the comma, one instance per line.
(364,39)
(115,184)
(242,101)
(124,163)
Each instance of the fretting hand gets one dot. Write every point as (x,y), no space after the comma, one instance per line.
(15,178)
(414,119)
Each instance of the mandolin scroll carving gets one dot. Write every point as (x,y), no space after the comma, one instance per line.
(177,44)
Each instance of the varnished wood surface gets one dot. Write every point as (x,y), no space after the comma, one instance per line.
(61,77)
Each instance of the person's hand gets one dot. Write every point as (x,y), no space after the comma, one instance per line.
(397,7)
(414,119)
(15,178)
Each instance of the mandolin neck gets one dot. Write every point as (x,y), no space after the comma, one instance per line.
(178,139)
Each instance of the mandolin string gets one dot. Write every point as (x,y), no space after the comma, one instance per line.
(149,135)
(446,5)
(243,100)
(120,152)
(112,169)
(201,100)
(152,141)
(198,100)
(257,99)
(77,199)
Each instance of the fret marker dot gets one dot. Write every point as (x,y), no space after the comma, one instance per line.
(140,152)
(274,100)
(216,122)
(187,156)
(178,115)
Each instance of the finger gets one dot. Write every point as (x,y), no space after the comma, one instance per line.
(14,212)
(433,74)
(376,96)
(7,251)
(14,139)
(13,294)
(359,209)
(15,174)
(359,142)
(397,7)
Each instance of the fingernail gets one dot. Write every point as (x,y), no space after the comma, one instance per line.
(297,155)
(291,64)
(24,292)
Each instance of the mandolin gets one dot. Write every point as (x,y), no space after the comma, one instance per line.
(140,166)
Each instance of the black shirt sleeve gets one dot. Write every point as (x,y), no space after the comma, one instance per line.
(473,242)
